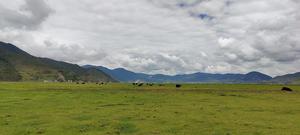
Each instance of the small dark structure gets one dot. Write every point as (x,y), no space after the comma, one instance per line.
(178,85)
(286,89)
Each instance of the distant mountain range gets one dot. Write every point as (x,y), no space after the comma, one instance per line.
(18,65)
(124,75)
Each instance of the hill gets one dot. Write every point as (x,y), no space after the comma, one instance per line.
(124,75)
(287,79)
(18,65)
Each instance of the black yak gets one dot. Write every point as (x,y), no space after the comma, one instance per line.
(286,89)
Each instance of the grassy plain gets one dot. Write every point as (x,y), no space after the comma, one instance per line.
(195,109)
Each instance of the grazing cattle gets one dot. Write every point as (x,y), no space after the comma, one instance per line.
(141,84)
(178,85)
(149,84)
(286,89)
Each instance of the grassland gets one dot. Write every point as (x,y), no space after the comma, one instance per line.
(113,109)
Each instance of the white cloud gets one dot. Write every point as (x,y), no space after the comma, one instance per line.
(154,36)
(224,42)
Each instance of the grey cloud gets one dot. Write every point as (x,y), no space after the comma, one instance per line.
(63,52)
(29,16)
(163,62)
(263,34)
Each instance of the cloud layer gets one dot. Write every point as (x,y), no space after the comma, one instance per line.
(28,16)
(154,36)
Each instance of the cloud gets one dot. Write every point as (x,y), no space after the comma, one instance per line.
(154,36)
(28,16)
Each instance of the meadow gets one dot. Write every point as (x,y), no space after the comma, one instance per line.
(119,109)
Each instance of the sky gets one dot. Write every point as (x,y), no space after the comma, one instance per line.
(159,36)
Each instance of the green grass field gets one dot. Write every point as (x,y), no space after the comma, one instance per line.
(113,109)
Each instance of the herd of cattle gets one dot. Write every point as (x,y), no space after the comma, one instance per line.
(152,84)
(134,84)
(176,85)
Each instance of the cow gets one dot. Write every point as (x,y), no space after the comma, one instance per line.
(161,85)
(178,85)
(286,89)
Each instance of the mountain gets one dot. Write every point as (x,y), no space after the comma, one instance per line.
(287,79)
(124,75)
(18,65)
(256,77)
(121,74)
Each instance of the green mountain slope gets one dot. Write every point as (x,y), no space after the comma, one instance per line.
(8,72)
(17,65)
